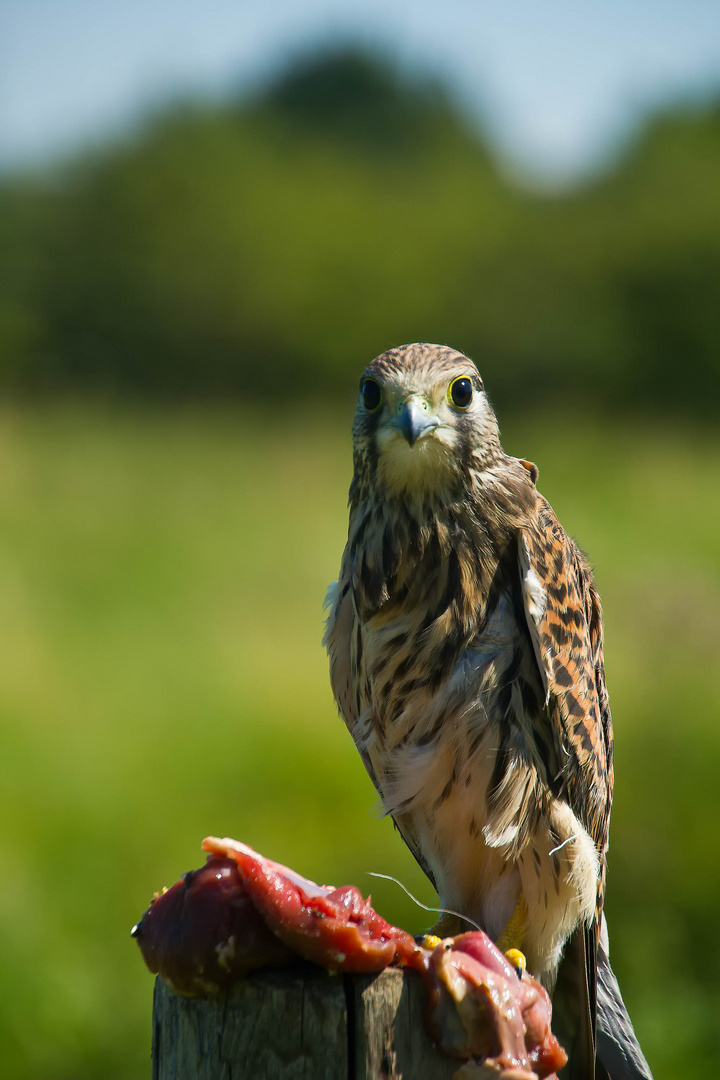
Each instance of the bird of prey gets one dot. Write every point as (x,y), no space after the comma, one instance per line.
(466,658)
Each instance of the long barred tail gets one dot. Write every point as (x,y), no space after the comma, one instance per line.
(589,1014)
(619,1056)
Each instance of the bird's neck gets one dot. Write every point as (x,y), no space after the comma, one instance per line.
(439,550)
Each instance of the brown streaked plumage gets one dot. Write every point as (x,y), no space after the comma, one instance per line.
(465,644)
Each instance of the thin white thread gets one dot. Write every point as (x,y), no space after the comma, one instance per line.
(558,848)
(425,907)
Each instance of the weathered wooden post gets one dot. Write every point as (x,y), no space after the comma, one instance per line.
(299,1023)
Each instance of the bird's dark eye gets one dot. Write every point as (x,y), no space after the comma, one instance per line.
(461,392)
(371,395)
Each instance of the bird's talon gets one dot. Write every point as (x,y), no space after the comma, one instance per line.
(431,941)
(518,961)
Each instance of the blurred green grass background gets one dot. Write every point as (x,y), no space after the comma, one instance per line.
(162,575)
(184,312)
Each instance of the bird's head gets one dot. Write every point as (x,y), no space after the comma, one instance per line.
(423,421)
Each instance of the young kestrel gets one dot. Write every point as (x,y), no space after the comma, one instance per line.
(465,645)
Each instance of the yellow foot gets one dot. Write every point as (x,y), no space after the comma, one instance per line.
(513,933)
(450,925)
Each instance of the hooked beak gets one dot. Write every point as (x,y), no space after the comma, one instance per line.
(414,422)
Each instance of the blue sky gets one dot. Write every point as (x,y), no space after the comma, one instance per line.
(558,81)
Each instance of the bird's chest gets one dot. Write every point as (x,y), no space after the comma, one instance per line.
(415,621)
(435,697)
(405,666)
(435,736)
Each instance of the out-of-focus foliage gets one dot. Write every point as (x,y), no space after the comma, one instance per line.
(275,244)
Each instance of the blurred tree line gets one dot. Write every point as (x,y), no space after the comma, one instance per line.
(272,245)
